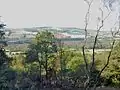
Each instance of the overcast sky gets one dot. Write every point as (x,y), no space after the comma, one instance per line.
(56,13)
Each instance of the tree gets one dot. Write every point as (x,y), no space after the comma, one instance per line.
(6,73)
(3,57)
(43,47)
(91,67)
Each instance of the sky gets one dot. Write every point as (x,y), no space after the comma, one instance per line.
(56,13)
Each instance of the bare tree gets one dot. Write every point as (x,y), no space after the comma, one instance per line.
(85,40)
(90,69)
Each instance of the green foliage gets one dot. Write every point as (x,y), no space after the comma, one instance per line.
(32,68)
(31,56)
(42,43)
(3,57)
(112,72)
(43,49)
(74,60)
(7,75)
(18,63)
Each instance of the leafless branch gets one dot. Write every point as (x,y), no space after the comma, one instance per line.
(108,58)
(89,71)
(96,37)
(86,25)
(107,16)
(87,16)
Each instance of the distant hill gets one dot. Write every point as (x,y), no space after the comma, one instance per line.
(67,34)
(71,31)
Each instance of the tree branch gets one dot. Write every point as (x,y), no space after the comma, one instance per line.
(96,37)
(98,76)
(86,25)
(85,40)
(108,58)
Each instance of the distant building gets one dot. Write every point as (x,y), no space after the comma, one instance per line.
(60,35)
